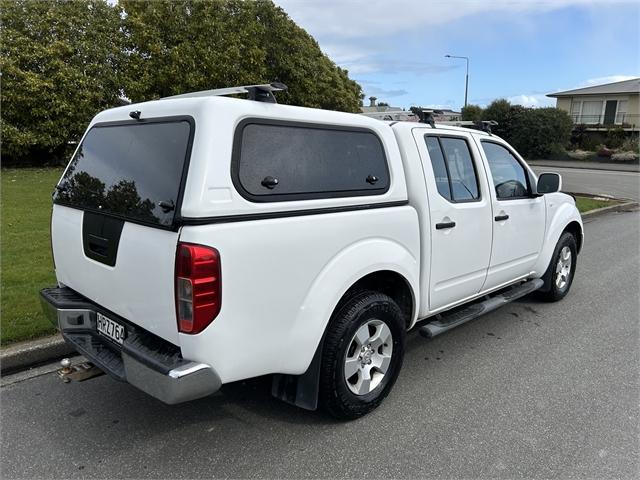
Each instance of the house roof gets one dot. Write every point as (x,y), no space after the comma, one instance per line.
(626,86)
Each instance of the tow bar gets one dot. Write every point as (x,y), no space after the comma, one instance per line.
(78,373)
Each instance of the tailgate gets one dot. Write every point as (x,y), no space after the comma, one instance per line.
(114,238)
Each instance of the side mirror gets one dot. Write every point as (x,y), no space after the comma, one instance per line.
(549,183)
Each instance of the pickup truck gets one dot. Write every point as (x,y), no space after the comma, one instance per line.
(201,239)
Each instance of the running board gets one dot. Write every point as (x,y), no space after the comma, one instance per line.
(446,322)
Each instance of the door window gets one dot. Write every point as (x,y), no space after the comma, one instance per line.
(509,176)
(453,168)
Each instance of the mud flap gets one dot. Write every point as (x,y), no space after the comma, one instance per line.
(300,390)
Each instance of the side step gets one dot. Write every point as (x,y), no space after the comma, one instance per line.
(448,321)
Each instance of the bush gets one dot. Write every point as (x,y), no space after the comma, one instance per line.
(604,152)
(615,137)
(539,132)
(472,113)
(625,157)
(631,144)
(61,64)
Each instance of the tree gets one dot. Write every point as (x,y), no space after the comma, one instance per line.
(539,132)
(180,46)
(533,132)
(500,111)
(472,113)
(60,63)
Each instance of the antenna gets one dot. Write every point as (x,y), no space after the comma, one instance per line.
(258,93)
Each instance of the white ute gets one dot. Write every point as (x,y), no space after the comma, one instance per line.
(200,239)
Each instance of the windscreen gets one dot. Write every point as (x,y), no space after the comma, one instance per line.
(132,171)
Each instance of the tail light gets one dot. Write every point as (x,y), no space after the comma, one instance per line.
(198,287)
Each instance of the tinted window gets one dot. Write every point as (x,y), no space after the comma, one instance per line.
(309,162)
(453,169)
(464,184)
(128,170)
(509,176)
(439,168)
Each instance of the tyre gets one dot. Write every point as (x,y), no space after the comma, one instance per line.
(362,354)
(559,275)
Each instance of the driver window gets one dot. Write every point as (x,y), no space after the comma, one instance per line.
(509,176)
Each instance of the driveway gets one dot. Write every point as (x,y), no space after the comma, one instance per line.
(533,390)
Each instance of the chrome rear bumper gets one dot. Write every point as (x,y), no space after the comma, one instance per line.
(143,360)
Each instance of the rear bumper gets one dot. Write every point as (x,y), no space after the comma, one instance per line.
(144,360)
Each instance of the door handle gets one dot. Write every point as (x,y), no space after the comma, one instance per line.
(442,226)
(501,218)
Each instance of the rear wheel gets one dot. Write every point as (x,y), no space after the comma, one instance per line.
(362,355)
(559,275)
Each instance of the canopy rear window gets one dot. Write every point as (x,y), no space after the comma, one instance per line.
(131,170)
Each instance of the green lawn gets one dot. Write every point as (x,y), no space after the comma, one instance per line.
(25,264)
(585,204)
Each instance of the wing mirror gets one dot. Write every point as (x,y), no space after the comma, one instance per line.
(549,183)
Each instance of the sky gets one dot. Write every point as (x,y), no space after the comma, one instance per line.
(518,49)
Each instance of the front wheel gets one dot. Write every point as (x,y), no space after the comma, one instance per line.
(362,355)
(559,275)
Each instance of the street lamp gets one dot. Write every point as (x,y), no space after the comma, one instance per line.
(466,85)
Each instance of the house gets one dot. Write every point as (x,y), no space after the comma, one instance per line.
(603,106)
(386,112)
(445,115)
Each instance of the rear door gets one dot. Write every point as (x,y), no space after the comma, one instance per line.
(460,214)
(518,217)
(113,231)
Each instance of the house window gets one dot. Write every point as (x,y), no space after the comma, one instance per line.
(575,110)
(591,111)
(622,111)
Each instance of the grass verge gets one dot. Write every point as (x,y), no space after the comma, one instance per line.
(25,264)
(586,204)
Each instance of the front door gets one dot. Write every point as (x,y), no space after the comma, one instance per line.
(610,112)
(518,217)
(460,216)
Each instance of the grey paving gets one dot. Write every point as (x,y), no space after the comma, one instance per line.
(533,390)
(597,182)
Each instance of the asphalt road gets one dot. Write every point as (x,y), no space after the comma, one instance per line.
(533,390)
(597,182)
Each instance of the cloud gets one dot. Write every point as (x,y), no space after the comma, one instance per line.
(532,100)
(366,18)
(383,93)
(609,79)
(394,67)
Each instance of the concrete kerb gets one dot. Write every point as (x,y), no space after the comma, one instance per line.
(23,355)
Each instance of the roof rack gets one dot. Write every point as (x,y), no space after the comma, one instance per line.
(258,93)
(485,125)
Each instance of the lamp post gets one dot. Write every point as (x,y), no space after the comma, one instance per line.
(466,85)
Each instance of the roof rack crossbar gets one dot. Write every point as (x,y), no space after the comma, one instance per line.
(259,93)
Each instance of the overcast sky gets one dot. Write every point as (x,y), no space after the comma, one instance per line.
(518,49)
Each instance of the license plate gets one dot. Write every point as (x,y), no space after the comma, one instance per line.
(110,329)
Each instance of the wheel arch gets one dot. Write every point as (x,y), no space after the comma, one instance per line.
(566,218)
(349,272)
(576,230)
